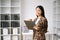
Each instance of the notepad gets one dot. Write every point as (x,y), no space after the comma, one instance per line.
(14,37)
(6,38)
(29,24)
(5,31)
(15,30)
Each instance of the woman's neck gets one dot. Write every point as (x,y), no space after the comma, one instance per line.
(39,16)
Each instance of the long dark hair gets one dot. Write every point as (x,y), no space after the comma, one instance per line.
(42,9)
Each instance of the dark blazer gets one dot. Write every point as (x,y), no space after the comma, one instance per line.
(42,29)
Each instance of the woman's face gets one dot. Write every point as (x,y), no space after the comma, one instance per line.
(38,12)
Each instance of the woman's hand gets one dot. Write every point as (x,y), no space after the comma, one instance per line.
(35,27)
(30,20)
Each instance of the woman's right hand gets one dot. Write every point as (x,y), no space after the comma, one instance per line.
(29,19)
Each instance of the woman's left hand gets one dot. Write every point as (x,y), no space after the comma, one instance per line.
(35,27)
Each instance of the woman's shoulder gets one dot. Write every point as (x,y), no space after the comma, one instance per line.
(44,18)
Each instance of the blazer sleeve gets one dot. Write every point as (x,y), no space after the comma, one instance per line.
(45,25)
(42,26)
(39,26)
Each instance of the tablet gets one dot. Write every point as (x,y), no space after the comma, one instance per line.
(29,24)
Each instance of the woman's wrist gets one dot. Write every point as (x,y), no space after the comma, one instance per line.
(35,27)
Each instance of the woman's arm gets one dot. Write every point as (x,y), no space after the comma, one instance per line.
(38,26)
(42,25)
(45,26)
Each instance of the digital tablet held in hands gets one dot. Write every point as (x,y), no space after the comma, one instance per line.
(29,24)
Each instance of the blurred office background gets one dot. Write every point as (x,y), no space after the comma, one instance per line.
(10,11)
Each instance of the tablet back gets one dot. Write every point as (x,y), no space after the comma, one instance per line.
(29,24)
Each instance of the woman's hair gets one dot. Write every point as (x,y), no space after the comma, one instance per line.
(42,9)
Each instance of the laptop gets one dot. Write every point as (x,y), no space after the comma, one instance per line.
(29,24)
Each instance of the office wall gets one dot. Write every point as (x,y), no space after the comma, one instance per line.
(28,11)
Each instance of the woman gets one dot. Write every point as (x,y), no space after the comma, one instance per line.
(41,24)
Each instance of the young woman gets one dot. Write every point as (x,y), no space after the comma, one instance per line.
(41,24)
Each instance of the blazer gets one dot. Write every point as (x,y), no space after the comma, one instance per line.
(42,25)
(42,29)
